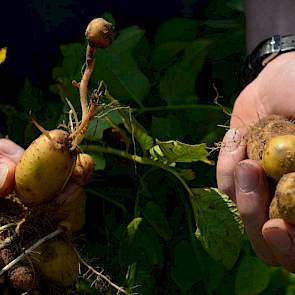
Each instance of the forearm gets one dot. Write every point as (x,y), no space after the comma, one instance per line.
(265,18)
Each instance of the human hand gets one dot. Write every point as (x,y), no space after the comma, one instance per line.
(70,203)
(244,180)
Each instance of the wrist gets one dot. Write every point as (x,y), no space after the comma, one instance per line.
(264,53)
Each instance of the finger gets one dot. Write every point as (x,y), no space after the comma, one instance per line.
(70,206)
(280,236)
(252,196)
(7,171)
(232,151)
(10,150)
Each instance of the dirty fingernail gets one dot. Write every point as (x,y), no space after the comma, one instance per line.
(246,177)
(278,239)
(3,173)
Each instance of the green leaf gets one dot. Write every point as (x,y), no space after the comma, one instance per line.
(222,23)
(30,99)
(177,29)
(186,270)
(102,122)
(174,151)
(219,227)
(52,13)
(139,280)
(73,59)
(156,217)
(228,44)
(132,228)
(252,276)
(117,67)
(99,159)
(167,54)
(177,85)
(136,130)
(142,245)
(167,127)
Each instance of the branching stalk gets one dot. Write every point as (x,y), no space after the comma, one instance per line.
(138,159)
(102,276)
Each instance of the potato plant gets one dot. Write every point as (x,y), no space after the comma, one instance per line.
(144,219)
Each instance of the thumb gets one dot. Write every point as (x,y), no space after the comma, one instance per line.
(10,154)
(7,170)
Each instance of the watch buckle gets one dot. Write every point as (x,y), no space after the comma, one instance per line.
(276,46)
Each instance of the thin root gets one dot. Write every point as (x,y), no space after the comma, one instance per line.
(29,250)
(101,276)
(46,133)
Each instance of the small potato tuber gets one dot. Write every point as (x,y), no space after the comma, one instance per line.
(23,279)
(57,262)
(83,169)
(99,33)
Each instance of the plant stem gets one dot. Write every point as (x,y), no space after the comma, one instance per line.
(90,61)
(100,275)
(137,159)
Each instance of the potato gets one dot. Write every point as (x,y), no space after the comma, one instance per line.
(83,169)
(263,131)
(57,262)
(285,194)
(44,168)
(279,156)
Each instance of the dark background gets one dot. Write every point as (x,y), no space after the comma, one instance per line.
(34,30)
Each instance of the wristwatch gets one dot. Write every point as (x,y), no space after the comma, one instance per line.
(266,51)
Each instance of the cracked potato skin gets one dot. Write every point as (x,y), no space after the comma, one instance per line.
(44,168)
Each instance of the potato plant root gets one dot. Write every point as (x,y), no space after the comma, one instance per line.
(48,204)
(53,264)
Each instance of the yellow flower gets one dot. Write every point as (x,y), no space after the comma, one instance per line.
(3,52)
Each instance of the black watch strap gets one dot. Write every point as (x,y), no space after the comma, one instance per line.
(266,51)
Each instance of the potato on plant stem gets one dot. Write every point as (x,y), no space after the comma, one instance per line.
(44,168)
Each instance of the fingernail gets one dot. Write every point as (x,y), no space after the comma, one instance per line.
(232,140)
(3,173)
(246,177)
(278,239)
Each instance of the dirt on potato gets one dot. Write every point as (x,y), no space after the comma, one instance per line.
(271,142)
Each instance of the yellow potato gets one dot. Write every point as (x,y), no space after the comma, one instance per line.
(285,195)
(279,156)
(57,262)
(44,168)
